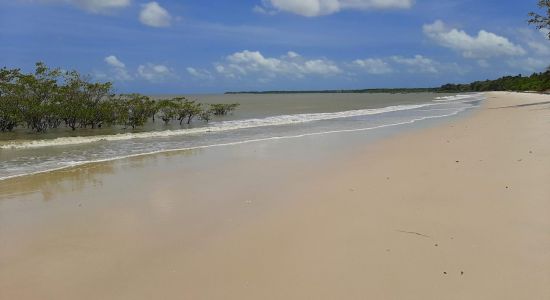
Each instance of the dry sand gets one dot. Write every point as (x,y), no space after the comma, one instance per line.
(458,211)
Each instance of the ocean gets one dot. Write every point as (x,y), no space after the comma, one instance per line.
(260,117)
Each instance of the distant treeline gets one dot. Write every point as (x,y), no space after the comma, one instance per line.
(389,91)
(51,98)
(538,82)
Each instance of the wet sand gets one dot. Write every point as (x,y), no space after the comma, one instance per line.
(457,211)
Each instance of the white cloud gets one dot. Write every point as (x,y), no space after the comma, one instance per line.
(264,9)
(150,72)
(118,68)
(483,63)
(254,65)
(539,47)
(539,51)
(320,67)
(292,54)
(200,74)
(373,66)
(114,62)
(95,6)
(484,45)
(529,64)
(312,8)
(155,73)
(290,65)
(417,64)
(536,40)
(152,14)
(102,5)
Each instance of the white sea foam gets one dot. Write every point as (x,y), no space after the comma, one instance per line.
(213,127)
(459,97)
(26,165)
(71,164)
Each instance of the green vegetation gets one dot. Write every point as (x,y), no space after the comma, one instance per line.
(223,109)
(390,91)
(541,21)
(537,82)
(50,98)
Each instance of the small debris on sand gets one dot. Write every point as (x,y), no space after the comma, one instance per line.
(413,232)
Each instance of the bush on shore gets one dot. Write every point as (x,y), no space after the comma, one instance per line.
(51,98)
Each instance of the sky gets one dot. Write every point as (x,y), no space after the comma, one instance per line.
(213,46)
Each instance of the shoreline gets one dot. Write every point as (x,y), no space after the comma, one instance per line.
(160,152)
(454,211)
(300,119)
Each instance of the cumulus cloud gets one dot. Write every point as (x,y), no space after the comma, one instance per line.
(154,15)
(484,45)
(374,66)
(536,41)
(417,64)
(264,8)
(94,6)
(151,72)
(155,73)
(313,8)
(114,62)
(200,74)
(539,47)
(244,63)
(529,64)
(118,68)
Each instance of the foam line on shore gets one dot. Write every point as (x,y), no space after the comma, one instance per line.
(81,163)
(214,127)
(458,97)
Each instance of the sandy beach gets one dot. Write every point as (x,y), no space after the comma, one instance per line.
(453,211)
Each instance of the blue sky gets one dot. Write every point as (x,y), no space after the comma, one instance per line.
(186,46)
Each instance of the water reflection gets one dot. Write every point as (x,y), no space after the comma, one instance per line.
(50,184)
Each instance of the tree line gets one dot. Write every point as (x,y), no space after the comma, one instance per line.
(539,82)
(52,98)
(357,91)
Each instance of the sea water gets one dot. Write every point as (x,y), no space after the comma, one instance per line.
(260,117)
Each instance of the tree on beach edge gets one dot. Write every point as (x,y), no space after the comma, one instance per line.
(51,98)
(541,21)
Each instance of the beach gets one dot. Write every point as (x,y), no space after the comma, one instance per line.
(456,209)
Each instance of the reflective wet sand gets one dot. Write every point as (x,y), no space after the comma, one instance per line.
(457,211)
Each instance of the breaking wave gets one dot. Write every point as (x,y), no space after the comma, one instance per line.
(213,127)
